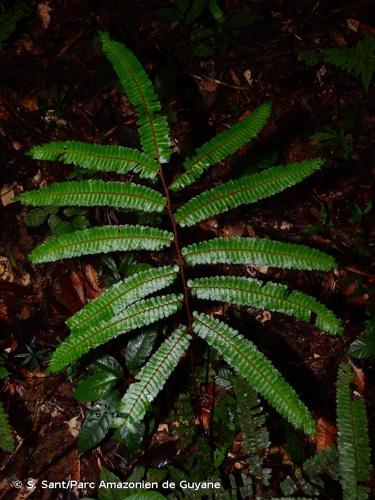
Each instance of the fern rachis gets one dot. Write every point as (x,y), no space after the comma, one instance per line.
(127,305)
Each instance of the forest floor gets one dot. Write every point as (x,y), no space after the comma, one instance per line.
(56,84)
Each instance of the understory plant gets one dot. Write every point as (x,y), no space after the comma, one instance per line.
(141,299)
(358,60)
(6,439)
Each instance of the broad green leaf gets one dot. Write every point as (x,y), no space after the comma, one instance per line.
(363,346)
(98,422)
(95,386)
(139,349)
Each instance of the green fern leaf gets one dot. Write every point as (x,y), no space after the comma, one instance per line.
(252,421)
(101,240)
(242,355)
(258,252)
(359,59)
(121,295)
(97,157)
(153,128)
(150,380)
(138,315)
(353,440)
(223,145)
(323,462)
(93,193)
(6,439)
(271,296)
(248,189)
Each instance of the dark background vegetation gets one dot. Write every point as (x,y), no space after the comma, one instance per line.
(56,84)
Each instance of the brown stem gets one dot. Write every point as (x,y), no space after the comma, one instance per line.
(180,259)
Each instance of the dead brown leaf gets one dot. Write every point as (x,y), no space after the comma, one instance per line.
(44,14)
(325,433)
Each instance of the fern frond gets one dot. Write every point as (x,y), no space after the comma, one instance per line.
(242,355)
(323,462)
(248,189)
(97,157)
(140,314)
(271,296)
(91,193)
(252,422)
(150,380)
(153,128)
(101,240)
(121,295)
(352,438)
(6,439)
(359,59)
(222,145)
(258,252)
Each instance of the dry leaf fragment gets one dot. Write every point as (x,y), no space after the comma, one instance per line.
(247,76)
(359,381)
(30,103)
(77,280)
(353,24)
(7,194)
(325,434)
(44,14)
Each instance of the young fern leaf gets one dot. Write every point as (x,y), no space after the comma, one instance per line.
(138,315)
(271,296)
(101,240)
(153,128)
(97,157)
(259,252)
(150,381)
(248,189)
(353,439)
(91,193)
(252,420)
(223,145)
(6,439)
(121,295)
(242,355)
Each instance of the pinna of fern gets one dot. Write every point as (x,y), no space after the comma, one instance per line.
(6,438)
(136,301)
(352,438)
